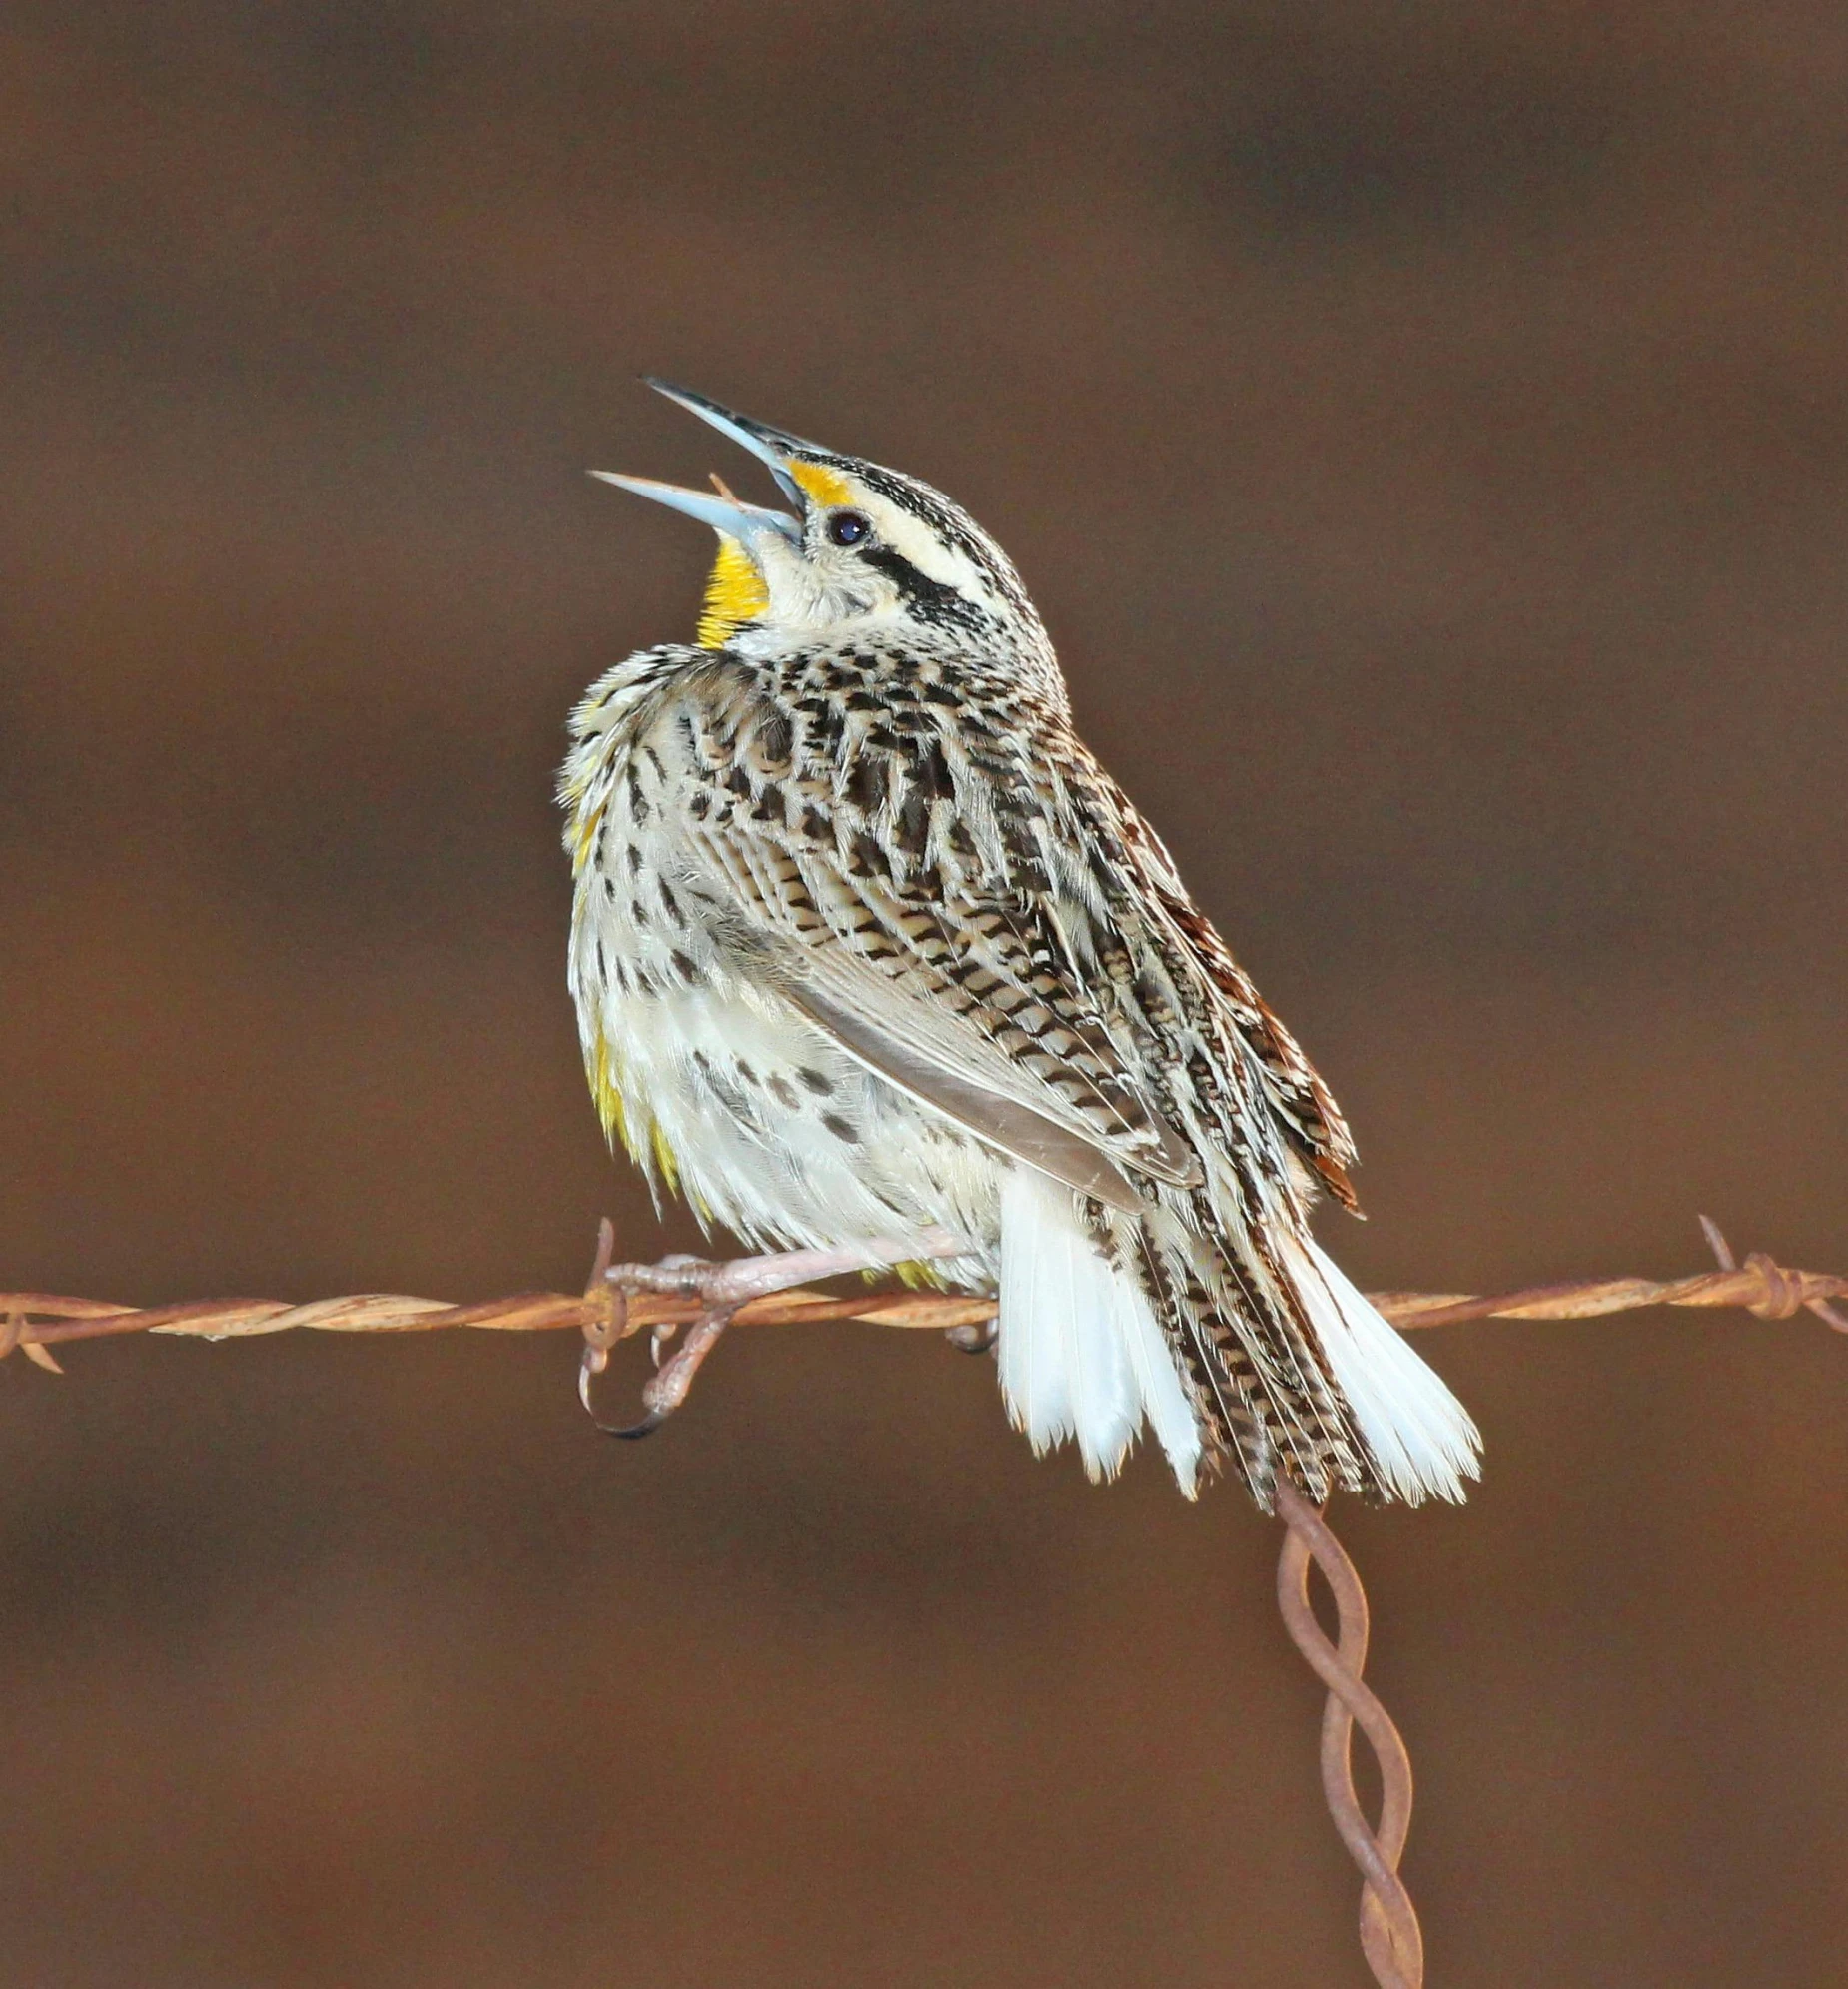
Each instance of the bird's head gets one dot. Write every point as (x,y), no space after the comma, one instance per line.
(861,548)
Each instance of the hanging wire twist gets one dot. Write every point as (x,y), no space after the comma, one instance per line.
(1390,1938)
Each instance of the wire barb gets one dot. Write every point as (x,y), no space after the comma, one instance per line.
(1760,1286)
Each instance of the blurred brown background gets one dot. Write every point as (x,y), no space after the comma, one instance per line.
(1424,429)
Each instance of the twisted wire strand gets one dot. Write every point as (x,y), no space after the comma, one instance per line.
(41,1320)
(1390,1938)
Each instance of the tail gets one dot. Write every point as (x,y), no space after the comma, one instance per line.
(1420,1438)
(1298,1370)
(1079,1349)
(1286,1356)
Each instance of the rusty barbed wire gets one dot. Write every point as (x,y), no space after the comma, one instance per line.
(1760,1286)
(40,1320)
(1391,1939)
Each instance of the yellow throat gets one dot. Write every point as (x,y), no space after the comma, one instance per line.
(736,594)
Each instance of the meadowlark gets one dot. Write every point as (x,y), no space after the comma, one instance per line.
(874,961)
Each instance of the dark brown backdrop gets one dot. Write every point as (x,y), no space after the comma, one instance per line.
(1426,432)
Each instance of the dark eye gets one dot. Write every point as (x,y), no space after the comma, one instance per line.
(849,527)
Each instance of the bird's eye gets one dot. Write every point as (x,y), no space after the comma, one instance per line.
(849,527)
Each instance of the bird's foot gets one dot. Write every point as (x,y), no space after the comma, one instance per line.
(720,1289)
(677,1277)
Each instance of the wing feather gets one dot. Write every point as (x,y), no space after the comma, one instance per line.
(951,978)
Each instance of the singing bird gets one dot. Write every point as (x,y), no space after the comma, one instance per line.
(866,944)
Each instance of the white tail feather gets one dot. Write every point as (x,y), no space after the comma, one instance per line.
(1420,1436)
(1079,1350)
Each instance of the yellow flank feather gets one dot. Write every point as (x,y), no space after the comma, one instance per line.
(606,1090)
(914,1273)
(586,837)
(665,1159)
(605,1071)
(826,487)
(736,594)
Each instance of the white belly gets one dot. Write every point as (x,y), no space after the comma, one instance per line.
(777,1134)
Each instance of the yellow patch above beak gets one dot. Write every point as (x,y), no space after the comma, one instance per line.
(826,487)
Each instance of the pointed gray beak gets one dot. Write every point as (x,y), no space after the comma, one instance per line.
(771,447)
(742,521)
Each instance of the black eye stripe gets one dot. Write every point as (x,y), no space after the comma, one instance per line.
(935,510)
(917,587)
(955,529)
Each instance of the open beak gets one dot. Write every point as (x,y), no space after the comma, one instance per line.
(724,513)
(744,522)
